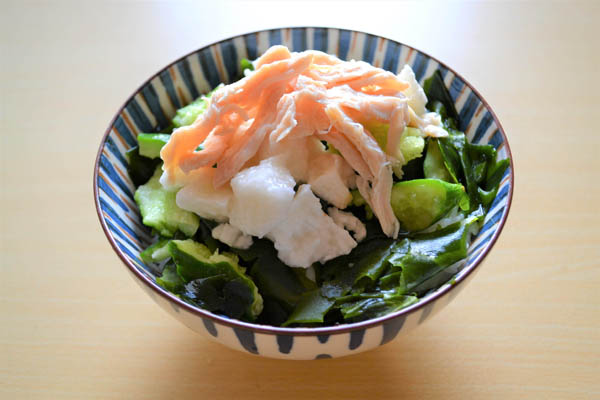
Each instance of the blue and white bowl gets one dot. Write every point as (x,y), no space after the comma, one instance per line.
(154,104)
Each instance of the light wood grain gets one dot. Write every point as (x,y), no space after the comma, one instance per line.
(74,325)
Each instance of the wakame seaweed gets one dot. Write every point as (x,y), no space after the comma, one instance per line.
(474,166)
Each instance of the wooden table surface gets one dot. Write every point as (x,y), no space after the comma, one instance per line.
(73,324)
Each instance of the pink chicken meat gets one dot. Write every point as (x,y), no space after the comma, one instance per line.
(292,96)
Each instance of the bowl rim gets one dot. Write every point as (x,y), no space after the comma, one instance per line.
(302,331)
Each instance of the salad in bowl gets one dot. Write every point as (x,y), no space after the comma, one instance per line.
(333,191)
(306,195)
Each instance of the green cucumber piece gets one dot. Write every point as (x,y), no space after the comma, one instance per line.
(160,211)
(196,262)
(188,114)
(420,202)
(246,64)
(156,252)
(411,144)
(170,280)
(151,143)
(433,166)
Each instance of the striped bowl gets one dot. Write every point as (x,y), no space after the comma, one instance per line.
(154,103)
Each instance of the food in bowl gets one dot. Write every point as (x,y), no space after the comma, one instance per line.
(312,192)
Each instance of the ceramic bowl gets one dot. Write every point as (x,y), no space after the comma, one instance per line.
(155,102)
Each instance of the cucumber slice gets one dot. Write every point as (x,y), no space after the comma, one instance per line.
(433,166)
(151,143)
(160,211)
(246,64)
(188,114)
(196,262)
(411,144)
(420,202)
(170,280)
(156,252)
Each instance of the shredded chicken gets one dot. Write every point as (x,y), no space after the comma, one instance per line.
(291,96)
